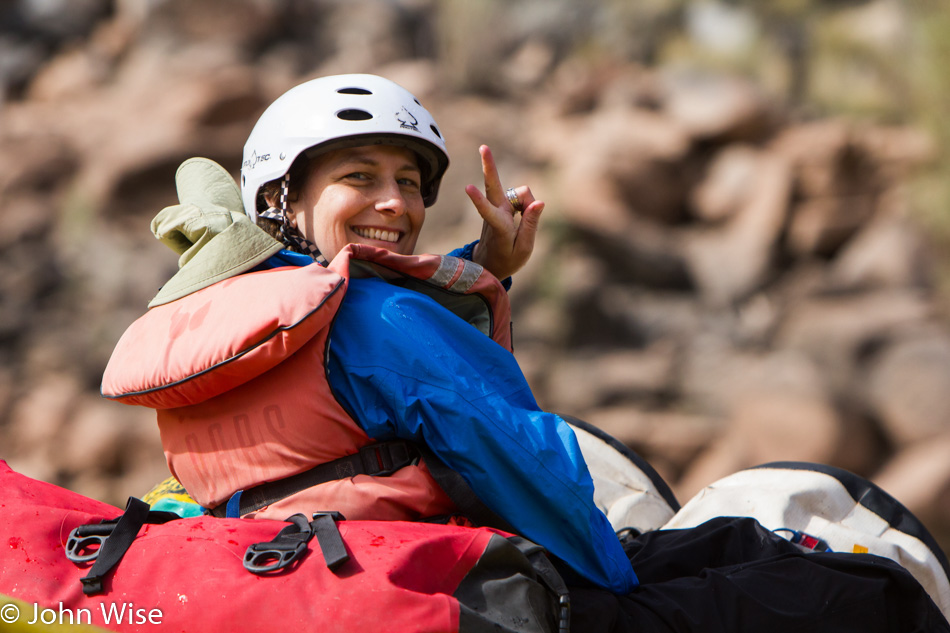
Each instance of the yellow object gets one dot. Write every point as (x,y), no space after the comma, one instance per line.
(171,488)
(859,549)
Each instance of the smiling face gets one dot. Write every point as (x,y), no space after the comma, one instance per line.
(364,195)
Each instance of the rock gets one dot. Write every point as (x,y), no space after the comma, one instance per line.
(615,315)
(69,74)
(727,184)
(40,415)
(650,317)
(730,262)
(677,438)
(879,25)
(584,381)
(365,34)
(19,60)
(838,181)
(834,331)
(721,29)
(35,466)
(899,150)
(95,486)
(94,438)
(812,148)
(724,456)
(104,438)
(909,387)
(418,76)
(216,102)
(26,218)
(26,284)
(778,409)
(629,424)
(618,162)
(919,477)
(7,395)
(821,226)
(34,163)
(784,425)
(717,107)
(714,373)
(636,254)
(578,88)
(529,65)
(887,252)
(233,23)
(61,19)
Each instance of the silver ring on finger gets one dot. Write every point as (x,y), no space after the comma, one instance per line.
(513,200)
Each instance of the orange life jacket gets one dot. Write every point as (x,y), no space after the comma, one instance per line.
(237,374)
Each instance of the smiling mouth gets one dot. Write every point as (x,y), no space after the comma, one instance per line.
(377,234)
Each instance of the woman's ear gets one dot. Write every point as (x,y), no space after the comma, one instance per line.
(271,197)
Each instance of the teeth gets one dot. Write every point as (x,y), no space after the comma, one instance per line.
(377,234)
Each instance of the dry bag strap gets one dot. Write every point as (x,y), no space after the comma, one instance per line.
(377,460)
(549,576)
(106,542)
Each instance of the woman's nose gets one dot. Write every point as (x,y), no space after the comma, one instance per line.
(391,200)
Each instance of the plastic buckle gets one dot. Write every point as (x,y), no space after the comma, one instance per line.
(564,613)
(85,542)
(289,544)
(380,460)
(261,558)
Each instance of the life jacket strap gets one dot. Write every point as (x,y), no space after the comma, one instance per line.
(376,460)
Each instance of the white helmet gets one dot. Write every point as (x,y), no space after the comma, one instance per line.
(340,111)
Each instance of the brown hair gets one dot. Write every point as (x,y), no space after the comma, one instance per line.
(271,190)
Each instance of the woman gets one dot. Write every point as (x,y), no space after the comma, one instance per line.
(296,388)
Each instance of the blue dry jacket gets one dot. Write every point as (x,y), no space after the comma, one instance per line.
(405,367)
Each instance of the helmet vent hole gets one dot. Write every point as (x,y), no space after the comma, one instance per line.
(436,130)
(354,115)
(354,91)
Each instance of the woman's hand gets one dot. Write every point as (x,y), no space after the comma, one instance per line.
(506,244)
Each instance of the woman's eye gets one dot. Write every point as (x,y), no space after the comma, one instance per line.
(409,182)
(357,175)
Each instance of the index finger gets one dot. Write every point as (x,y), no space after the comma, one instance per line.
(493,190)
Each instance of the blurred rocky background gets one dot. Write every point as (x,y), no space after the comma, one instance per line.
(743,255)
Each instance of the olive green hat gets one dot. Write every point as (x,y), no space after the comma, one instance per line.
(209,230)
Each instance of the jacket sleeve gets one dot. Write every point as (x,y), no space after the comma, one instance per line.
(407,368)
(468,252)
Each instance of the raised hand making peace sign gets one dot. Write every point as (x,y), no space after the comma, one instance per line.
(506,243)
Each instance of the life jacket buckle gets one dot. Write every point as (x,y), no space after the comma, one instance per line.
(383,459)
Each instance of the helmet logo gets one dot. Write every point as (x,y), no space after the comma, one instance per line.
(254,159)
(406,120)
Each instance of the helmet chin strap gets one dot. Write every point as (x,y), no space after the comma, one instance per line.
(291,236)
